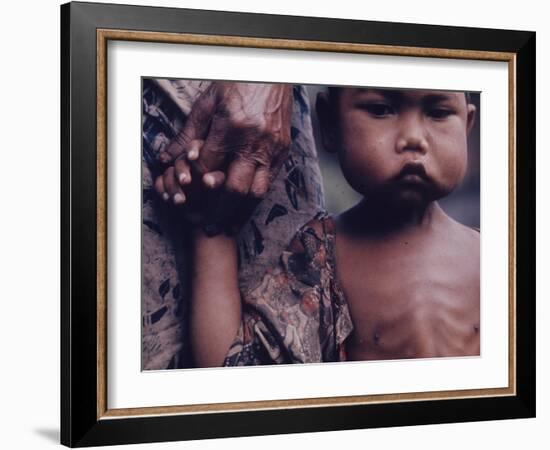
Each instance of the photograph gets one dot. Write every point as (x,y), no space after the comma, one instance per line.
(291,223)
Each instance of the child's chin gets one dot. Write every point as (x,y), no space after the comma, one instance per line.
(410,198)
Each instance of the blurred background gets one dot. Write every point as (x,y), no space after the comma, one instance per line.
(462,204)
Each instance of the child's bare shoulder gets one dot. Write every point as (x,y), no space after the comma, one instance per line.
(464,239)
(469,235)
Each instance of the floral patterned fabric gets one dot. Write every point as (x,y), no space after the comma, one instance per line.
(298,312)
(295,196)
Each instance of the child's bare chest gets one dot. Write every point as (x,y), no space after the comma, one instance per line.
(413,300)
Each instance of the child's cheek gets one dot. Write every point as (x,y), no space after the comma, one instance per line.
(361,173)
(453,165)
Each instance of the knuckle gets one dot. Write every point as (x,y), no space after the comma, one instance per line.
(179,142)
(239,120)
(252,157)
(263,160)
(246,161)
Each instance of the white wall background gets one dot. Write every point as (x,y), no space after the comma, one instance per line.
(29,233)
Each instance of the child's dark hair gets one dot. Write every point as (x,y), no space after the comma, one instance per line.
(334,92)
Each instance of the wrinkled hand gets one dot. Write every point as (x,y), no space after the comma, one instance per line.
(236,135)
(245,129)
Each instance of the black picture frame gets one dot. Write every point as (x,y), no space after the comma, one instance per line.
(82,421)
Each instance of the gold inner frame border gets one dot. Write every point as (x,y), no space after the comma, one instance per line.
(103,36)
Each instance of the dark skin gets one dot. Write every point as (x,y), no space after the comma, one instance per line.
(410,273)
(413,293)
(235,139)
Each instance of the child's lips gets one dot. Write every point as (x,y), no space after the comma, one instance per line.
(412,173)
(413,179)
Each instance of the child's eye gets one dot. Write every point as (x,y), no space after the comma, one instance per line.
(439,113)
(379,109)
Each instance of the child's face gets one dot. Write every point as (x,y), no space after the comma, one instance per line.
(404,145)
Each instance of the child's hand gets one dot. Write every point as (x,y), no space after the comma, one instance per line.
(183,187)
(200,197)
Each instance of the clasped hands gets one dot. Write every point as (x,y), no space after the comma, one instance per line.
(232,146)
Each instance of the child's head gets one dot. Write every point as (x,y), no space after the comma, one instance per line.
(398,144)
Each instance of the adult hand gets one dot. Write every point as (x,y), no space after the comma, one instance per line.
(240,129)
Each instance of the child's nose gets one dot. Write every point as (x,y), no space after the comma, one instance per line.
(412,134)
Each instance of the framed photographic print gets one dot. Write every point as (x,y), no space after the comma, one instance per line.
(278,224)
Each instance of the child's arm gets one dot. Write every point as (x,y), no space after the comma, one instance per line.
(215,298)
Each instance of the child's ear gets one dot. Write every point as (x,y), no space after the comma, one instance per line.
(327,122)
(471,117)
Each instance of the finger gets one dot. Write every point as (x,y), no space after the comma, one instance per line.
(216,146)
(240,175)
(213,180)
(260,183)
(182,171)
(196,126)
(159,187)
(172,187)
(194,149)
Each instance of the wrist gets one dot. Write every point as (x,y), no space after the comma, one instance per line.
(221,240)
(213,255)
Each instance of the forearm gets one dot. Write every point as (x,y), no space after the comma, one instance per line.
(215,298)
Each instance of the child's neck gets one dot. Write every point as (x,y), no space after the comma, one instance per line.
(369,218)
